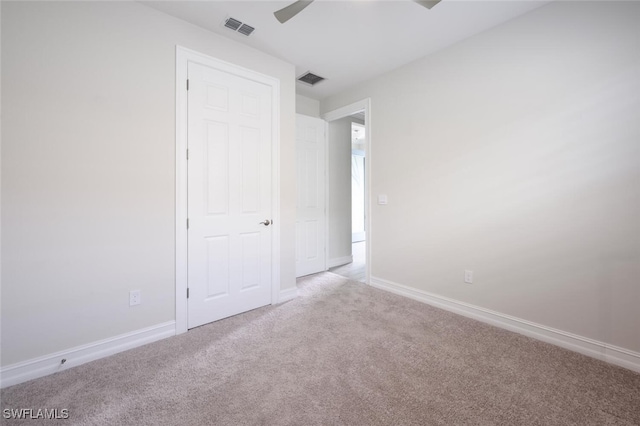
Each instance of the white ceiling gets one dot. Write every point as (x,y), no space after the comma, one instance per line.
(349,41)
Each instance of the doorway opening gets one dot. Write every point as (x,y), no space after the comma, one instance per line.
(358,183)
(349,223)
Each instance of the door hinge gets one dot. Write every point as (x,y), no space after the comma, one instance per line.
(187,84)
(187,154)
(187,223)
(187,292)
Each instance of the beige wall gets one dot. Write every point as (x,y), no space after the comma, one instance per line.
(307,106)
(339,206)
(339,212)
(516,154)
(88,168)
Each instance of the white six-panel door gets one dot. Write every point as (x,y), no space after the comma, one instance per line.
(229,194)
(311,214)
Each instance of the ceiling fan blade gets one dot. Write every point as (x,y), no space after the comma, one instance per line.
(427,3)
(286,13)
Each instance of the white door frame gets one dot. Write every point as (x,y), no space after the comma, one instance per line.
(337,114)
(183,57)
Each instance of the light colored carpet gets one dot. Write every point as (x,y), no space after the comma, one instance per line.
(342,353)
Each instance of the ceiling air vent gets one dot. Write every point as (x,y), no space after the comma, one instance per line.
(246,29)
(238,26)
(310,78)
(234,24)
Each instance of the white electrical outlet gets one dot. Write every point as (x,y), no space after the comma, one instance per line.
(468,277)
(134,297)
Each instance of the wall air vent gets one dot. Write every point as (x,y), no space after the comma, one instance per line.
(238,26)
(310,78)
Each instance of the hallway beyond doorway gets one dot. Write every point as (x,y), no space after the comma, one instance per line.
(356,269)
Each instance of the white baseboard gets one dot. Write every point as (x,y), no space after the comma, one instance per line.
(288,294)
(339,261)
(49,364)
(584,345)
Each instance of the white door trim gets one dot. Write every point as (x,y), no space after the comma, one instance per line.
(183,57)
(336,114)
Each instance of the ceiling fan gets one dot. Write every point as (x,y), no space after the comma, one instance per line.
(286,13)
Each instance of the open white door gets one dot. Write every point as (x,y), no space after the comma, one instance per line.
(229,194)
(311,214)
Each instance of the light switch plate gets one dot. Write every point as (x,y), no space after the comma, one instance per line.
(382,199)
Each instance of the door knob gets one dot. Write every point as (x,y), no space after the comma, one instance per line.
(266,222)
